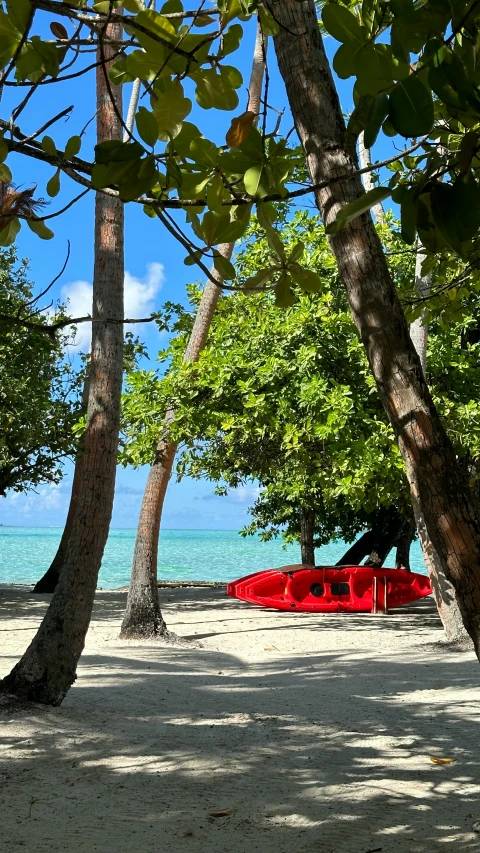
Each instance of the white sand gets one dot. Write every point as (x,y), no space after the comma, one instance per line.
(318,730)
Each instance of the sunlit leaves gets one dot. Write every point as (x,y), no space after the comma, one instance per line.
(147,126)
(19,12)
(170,108)
(216,89)
(53,186)
(8,233)
(355,208)
(40,229)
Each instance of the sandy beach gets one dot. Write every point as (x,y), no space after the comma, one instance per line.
(316,731)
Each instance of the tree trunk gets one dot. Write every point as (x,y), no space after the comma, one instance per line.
(49,581)
(359,550)
(48,667)
(435,478)
(386,534)
(307,525)
(443,590)
(404,544)
(143,616)
(368,183)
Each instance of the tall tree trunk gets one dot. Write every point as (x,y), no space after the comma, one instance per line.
(48,668)
(443,590)
(307,525)
(435,478)
(49,580)
(143,617)
(360,549)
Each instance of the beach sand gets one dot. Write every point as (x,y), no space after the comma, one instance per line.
(317,730)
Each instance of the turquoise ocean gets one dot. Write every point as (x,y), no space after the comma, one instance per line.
(207,555)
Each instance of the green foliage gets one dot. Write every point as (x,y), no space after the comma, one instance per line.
(286,399)
(38,390)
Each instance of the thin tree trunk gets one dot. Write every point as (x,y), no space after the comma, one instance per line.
(307,525)
(143,617)
(48,668)
(443,591)
(404,544)
(435,478)
(368,183)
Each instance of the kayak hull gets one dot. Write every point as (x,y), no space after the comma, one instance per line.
(330,589)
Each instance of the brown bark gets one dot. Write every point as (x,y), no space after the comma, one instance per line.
(404,544)
(49,580)
(48,668)
(307,525)
(143,616)
(359,550)
(386,534)
(435,478)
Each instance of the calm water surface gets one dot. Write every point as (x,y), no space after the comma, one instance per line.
(217,555)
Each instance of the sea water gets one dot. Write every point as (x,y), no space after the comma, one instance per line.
(207,555)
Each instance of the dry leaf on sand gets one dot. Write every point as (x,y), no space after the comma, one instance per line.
(436,760)
(222,812)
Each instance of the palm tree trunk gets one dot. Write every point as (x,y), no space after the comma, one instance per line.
(307,525)
(435,478)
(48,668)
(143,616)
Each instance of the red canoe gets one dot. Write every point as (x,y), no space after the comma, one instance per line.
(330,589)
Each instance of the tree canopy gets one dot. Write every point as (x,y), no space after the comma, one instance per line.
(287,399)
(38,389)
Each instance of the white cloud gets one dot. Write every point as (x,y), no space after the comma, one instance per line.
(140,295)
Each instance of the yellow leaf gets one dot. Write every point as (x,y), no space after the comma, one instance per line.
(436,760)
(239,129)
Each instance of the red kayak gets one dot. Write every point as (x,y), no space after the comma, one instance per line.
(331,589)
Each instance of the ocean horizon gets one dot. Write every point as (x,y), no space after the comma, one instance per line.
(184,555)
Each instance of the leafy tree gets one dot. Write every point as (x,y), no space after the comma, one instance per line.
(38,389)
(174,167)
(287,399)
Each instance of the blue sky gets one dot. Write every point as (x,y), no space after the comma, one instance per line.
(154,273)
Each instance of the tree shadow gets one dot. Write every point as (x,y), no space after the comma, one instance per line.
(325,749)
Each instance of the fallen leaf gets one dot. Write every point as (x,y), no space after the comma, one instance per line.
(271,649)
(239,129)
(436,760)
(222,812)
(188,833)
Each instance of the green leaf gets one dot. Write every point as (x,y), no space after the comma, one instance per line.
(19,12)
(224,267)
(53,186)
(261,277)
(306,279)
(40,229)
(446,215)
(3,150)
(147,126)
(119,74)
(5,174)
(411,107)
(342,24)
(72,147)
(375,120)
(296,252)
(274,241)
(356,208)
(409,216)
(284,295)
(215,90)
(269,24)
(48,146)
(133,6)
(346,58)
(232,39)
(252,178)
(170,109)
(204,152)
(9,233)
